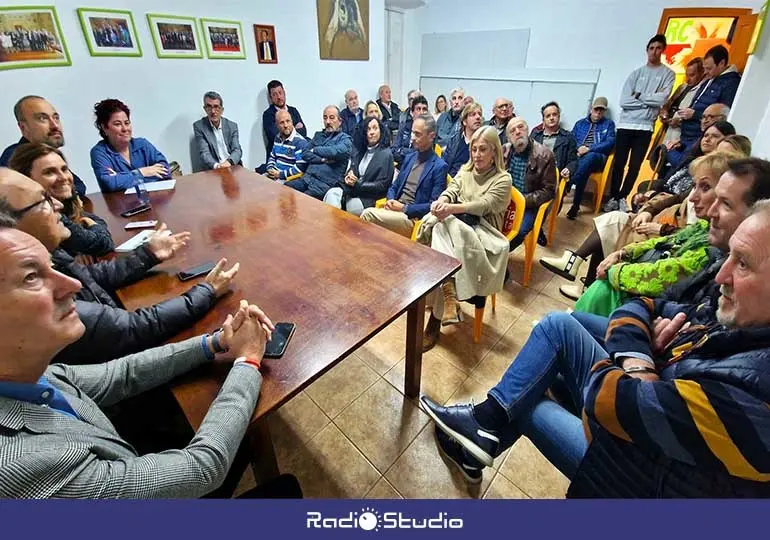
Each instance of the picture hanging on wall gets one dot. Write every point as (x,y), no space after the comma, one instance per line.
(343,29)
(267,50)
(223,39)
(109,32)
(174,36)
(31,36)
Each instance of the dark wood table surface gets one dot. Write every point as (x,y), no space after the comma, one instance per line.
(338,279)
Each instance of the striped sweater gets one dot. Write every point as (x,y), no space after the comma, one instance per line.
(286,155)
(708,413)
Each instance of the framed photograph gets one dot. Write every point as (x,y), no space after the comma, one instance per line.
(267,50)
(30,36)
(109,32)
(223,39)
(343,29)
(174,36)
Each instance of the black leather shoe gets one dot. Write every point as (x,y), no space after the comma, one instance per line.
(573,212)
(456,454)
(458,422)
(541,239)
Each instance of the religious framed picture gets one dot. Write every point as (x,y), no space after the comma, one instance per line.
(175,36)
(109,32)
(31,36)
(267,50)
(223,39)
(343,29)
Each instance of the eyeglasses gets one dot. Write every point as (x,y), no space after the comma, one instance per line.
(712,116)
(505,106)
(18,214)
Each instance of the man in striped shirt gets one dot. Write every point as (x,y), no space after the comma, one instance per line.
(674,401)
(285,158)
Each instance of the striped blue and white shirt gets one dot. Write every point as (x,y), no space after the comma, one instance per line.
(286,155)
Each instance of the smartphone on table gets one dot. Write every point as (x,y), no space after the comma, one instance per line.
(141,224)
(280,339)
(136,210)
(195,271)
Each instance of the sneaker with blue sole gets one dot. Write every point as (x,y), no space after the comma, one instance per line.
(451,450)
(458,422)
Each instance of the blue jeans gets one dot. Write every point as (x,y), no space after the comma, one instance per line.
(595,324)
(587,164)
(526,226)
(316,189)
(558,345)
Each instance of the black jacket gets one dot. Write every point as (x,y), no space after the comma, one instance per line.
(376,180)
(95,240)
(564,151)
(112,332)
(390,114)
(699,288)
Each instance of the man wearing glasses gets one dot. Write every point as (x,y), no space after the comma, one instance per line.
(502,112)
(216,137)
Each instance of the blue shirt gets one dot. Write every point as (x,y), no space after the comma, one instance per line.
(518,168)
(104,158)
(40,393)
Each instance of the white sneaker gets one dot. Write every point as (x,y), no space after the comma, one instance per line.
(623,205)
(610,205)
(572,292)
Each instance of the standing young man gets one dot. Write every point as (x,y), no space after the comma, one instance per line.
(644,92)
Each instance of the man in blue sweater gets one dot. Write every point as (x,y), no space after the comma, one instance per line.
(595,137)
(277,96)
(327,158)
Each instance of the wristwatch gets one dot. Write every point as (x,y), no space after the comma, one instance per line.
(640,369)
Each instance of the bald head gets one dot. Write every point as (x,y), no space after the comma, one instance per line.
(331,119)
(284,122)
(716,112)
(36,213)
(39,121)
(503,110)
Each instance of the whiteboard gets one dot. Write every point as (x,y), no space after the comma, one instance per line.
(528,96)
(477,54)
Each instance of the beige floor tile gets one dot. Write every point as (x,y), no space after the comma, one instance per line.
(539,277)
(422,473)
(330,466)
(381,423)
(528,469)
(502,488)
(383,490)
(542,306)
(552,290)
(493,365)
(496,322)
(456,345)
(384,350)
(294,424)
(473,391)
(515,295)
(440,378)
(337,389)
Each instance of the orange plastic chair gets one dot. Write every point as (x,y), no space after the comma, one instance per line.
(561,184)
(600,179)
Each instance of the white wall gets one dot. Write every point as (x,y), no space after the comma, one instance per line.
(165,95)
(751,109)
(607,34)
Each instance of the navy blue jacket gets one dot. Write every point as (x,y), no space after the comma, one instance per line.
(721,90)
(390,114)
(271,130)
(350,121)
(80,186)
(402,145)
(432,183)
(604,135)
(327,158)
(457,153)
(565,149)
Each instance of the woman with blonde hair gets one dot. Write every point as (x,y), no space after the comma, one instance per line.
(440,106)
(465,222)
(372,109)
(735,143)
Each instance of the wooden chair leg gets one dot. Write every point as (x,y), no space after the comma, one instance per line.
(494,302)
(478,320)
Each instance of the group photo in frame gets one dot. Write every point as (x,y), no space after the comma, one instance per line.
(31,36)
(109,32)
(223,39)
(267,48)
(175,36)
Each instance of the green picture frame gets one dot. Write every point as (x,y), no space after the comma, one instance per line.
(175,36)
(42,44)
(223,39)
(109,32)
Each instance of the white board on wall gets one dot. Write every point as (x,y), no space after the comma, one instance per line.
(475,53)
(528,96)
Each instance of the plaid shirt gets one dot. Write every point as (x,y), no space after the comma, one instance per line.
(518,168)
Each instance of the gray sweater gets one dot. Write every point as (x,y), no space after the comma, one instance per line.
(654,85)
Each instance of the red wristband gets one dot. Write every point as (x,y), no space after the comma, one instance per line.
(250,360)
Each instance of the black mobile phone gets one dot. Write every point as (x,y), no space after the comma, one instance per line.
(280,339)
(136,210)
(195,271)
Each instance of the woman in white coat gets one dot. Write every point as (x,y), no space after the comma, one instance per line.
(465,222)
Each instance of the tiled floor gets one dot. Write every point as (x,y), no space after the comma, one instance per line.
(353,434)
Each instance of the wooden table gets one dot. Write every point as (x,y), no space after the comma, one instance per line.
(338,279)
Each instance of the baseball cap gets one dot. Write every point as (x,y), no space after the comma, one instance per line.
(600,102)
